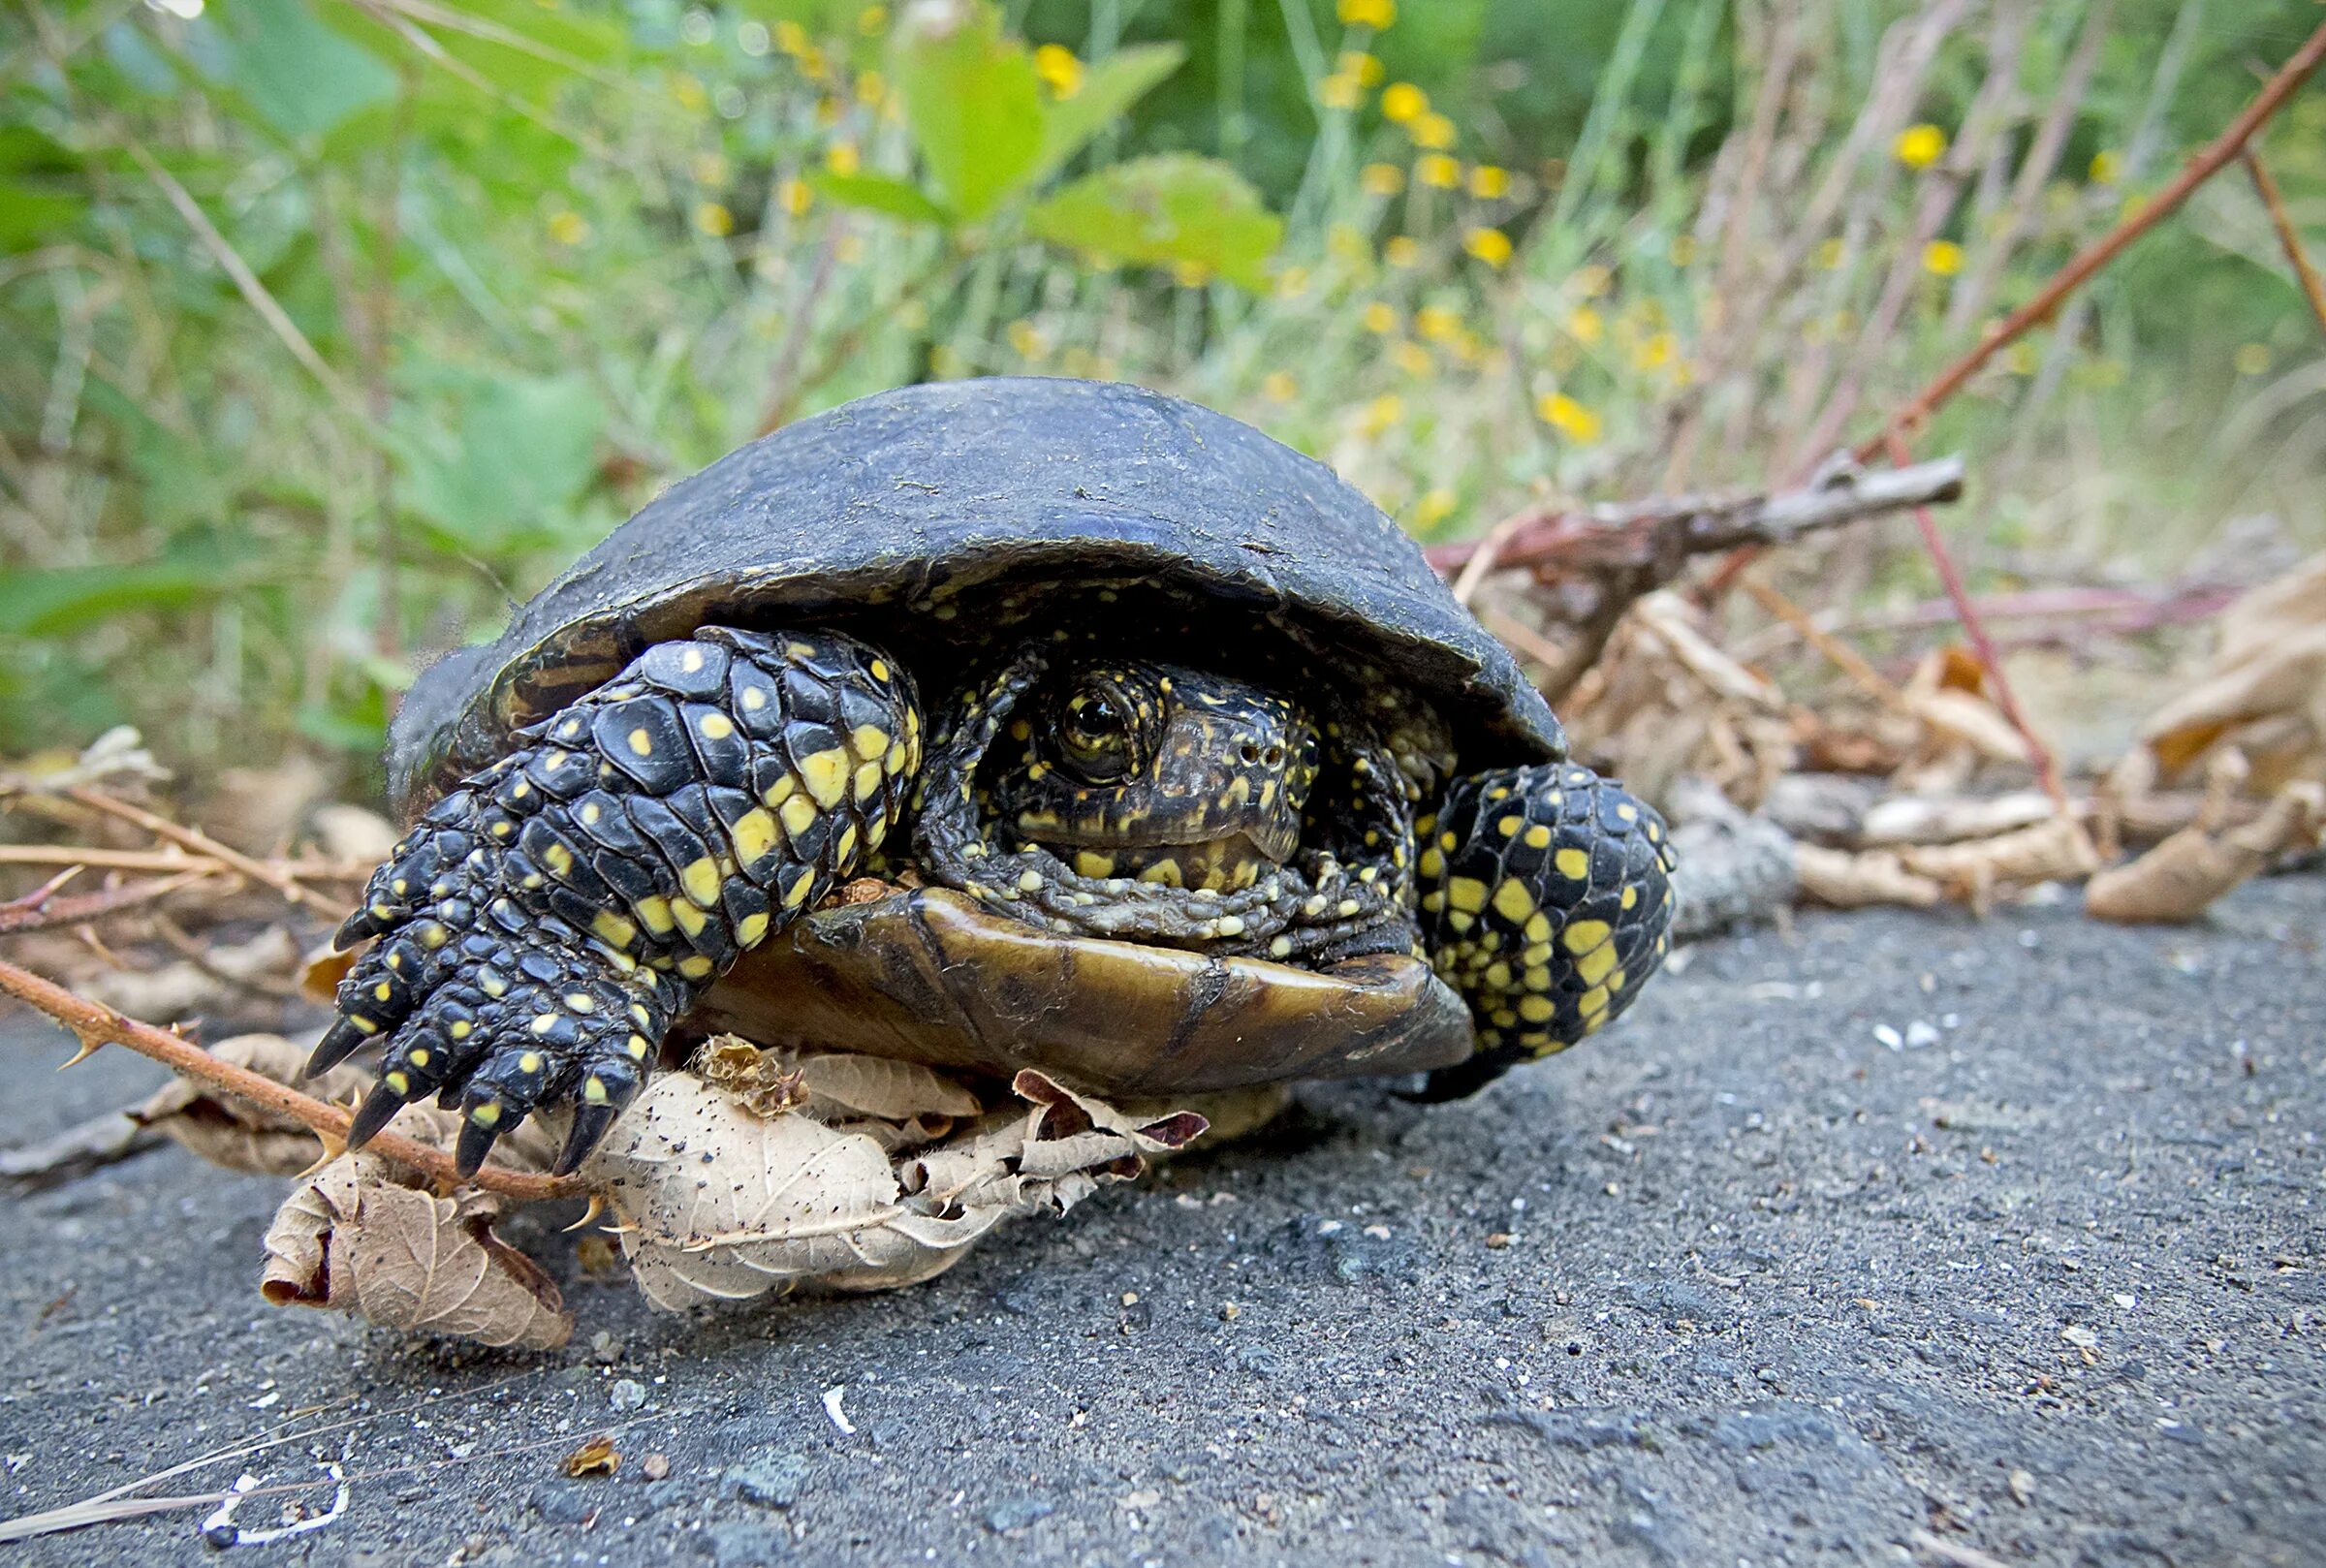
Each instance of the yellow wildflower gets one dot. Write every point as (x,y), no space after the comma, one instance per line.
(1829,255)
(1431,130)
(1381,179)
(1434,507)
(1655,351)
(1584,325)
(872,21)
(1568,417)
(1682,249)
(1439,171)
(872,89)
(1918,147)
(1411,357)
(2106,167)
(568,227)
(713,219)
(1345,240)
(1942,258)
(1292,283)
(1382,412)
(1190,274)
(842,159)
(1436,322)
(2020,359)
(1027,340)
(1278,387)
(1490,183)
(1402,101)
(795,196)
(689,93)
(1339,90)
(1374,13)
(792,38)
(813,66)
(1058,69)
(1490,245)
(2251,358)
(1380,317)
(1402,250)
(1361,65)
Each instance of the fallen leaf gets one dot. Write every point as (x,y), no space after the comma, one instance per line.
(228,1130)
(351,1239)
(893,1090)
(1874,876)
(2179,878)
(720,1201)
(2264,691)
(596,1457)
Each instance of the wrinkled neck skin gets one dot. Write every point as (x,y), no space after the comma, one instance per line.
(1108,795)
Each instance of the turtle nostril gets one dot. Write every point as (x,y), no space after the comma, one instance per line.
(1248,752)
(1275,756)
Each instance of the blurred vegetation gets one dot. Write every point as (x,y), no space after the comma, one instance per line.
(336,325)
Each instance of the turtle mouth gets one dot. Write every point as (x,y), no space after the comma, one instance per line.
(1228,863)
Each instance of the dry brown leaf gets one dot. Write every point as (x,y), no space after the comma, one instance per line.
(891,1091)
(598,1457)
(351,832)
(2055,850)
(1872,876)
(351,1239)
(2264,691)
(2179,878)
(183,987)
(228,1130)
(719,1200)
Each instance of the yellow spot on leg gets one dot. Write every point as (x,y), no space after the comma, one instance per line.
(826,777)
(700,880)
(1465,893)
(1597,964)
(1573,864)
(1585,935)
(799,814)
(1513,902)
(750,930)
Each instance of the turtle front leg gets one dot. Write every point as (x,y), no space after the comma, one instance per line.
(547,921)
(1546,900)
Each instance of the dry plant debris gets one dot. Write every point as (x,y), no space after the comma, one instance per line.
(354,1239)
(720,1200)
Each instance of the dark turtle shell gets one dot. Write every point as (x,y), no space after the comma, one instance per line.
(896,510)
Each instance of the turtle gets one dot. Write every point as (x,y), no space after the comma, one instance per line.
(990,723)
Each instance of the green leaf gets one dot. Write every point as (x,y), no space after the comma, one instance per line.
(517,452)
(971,102)
(32,216)
(1108,89)
(879,192)
(302,77)
(1172,210)
(72,598)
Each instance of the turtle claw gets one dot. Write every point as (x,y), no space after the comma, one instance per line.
(339,1041)
(480,1128)
(590,1122)
(378,1110)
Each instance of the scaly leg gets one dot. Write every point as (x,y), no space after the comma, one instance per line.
(546,922)
(1546,902)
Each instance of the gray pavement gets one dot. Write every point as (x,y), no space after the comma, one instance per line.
(1903,1239)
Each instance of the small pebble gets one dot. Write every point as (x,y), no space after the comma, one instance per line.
(654,1466)
(628,1393)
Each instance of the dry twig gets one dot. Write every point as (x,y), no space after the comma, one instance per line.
(2313,290)
(96,1027)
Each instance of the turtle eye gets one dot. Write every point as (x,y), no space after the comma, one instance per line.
(1097,736)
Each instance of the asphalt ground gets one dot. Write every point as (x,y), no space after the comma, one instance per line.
(1895,1239)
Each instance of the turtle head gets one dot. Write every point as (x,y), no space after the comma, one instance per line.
(1130,768)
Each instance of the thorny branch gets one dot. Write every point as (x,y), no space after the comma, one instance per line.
(95,1025)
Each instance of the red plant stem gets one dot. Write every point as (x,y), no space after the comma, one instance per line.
(2288,238)
(2047,771)
(95,1025)
(2216,155)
